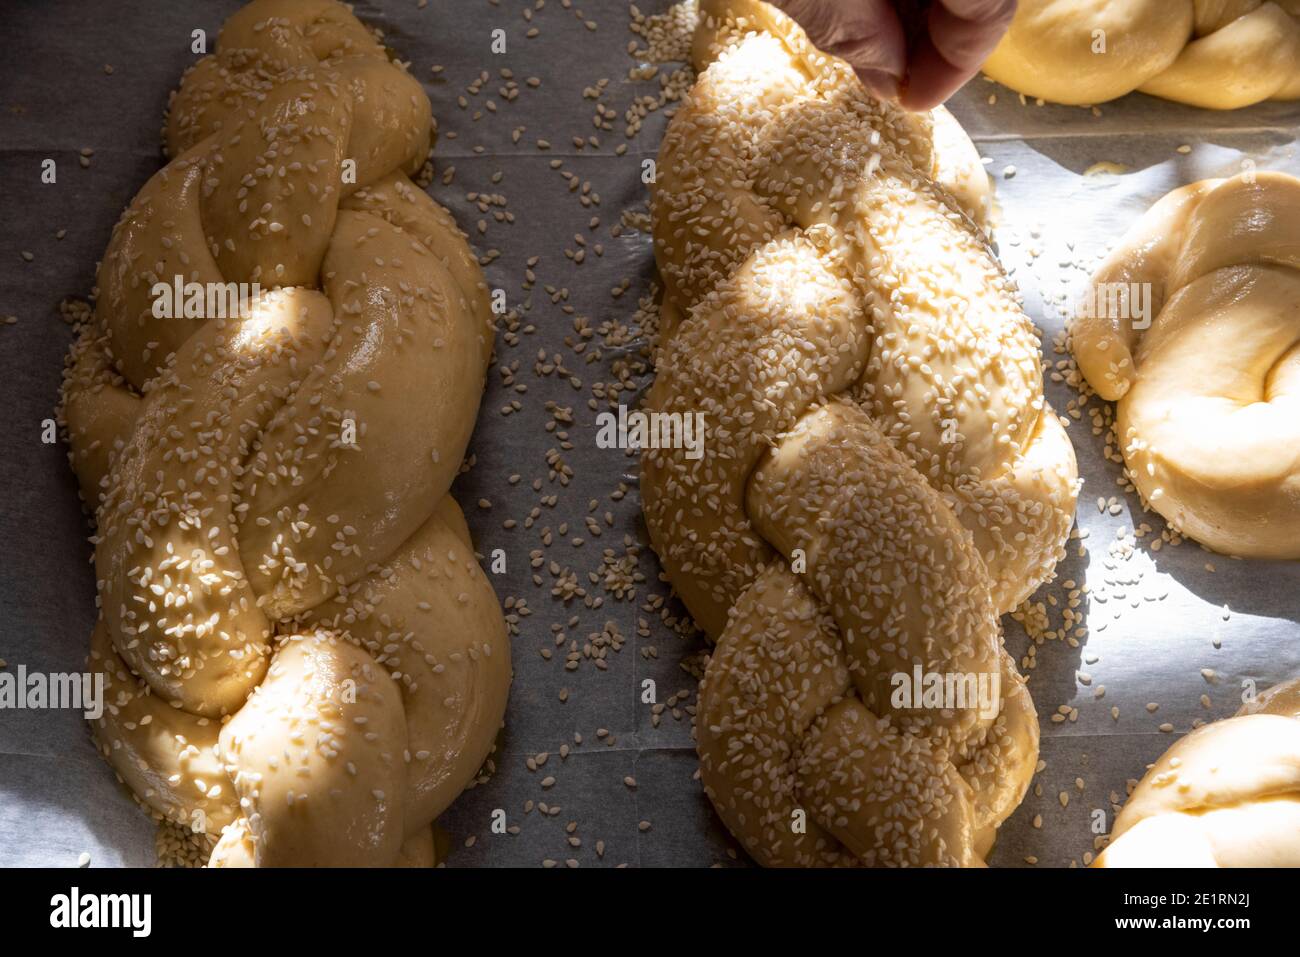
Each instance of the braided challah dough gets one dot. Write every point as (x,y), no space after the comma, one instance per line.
(299,645)
(1226,795)
(881,476)
(1218,54)
(1208,397)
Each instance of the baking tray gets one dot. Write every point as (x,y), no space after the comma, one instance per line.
(586,772)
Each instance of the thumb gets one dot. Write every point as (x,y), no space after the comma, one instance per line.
(961,35)
(865,33)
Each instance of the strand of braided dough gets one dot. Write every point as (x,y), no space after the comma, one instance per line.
(301,652)
(881,476)
(1226,795)
(1217,54)
(1208,397)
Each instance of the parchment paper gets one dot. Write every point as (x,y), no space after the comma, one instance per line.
(629,788)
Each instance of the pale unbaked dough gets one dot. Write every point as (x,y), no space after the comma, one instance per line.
(1209,396)
(1226,795)
(1218,54)
(881,476)
(302,655)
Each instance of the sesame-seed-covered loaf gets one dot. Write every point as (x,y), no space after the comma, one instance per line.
(1215,54)
(1207,382)
(1226,795)
(881,477)
(303,659)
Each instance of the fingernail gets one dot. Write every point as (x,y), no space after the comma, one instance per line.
(881,85)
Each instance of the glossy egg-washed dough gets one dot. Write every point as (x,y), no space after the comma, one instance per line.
(1208,413)
(302,654)
(1226,795)
(1217,54)
(881,477)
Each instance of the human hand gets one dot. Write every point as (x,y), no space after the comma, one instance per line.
(913,51)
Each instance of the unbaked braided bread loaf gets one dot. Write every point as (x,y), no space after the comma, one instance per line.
(1217,54)
(1226,795)
(1208,397)
(299,644)
(881,476)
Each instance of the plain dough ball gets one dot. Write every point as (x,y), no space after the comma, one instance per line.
(1218,54)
